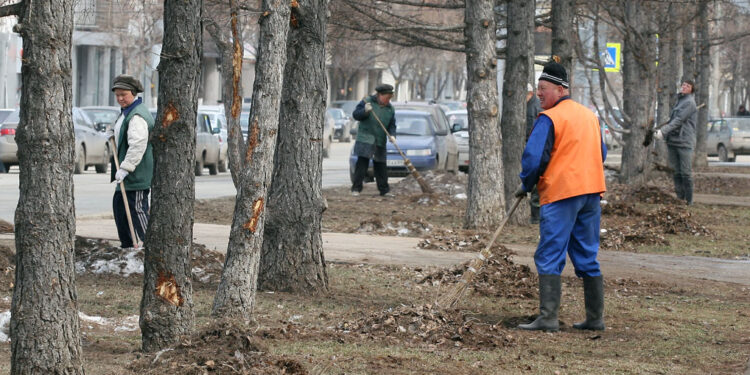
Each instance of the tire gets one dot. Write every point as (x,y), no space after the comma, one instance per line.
(327,150)
(79,164)
(223,166)
(213,169)
(723,154)
(102,168)
(199,167)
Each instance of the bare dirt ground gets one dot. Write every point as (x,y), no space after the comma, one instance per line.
(383,319)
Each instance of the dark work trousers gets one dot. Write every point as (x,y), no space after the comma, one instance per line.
(381,174)
(681,159)
(138,203)
(534,206)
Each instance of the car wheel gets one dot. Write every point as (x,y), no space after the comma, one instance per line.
(327,150)
(223,166)
(102,168)
(213,169)
(80,160)
(346,137)
(723,155)
(199,167)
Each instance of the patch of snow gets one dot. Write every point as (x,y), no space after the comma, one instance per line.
(5,326)
(125,266)
(127,324)
(460,196)
(403,231)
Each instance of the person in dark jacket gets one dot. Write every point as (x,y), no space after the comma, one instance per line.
(371,138)
(742,111)
(533,107)
(131,133)
(679,133)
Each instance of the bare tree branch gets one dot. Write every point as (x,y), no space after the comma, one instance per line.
(11,10)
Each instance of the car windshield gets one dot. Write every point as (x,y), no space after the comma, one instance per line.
(413,125)
(346,106)
(13,118)
(103,115)
(462,119)
(4,114)
(741,125)
(337,113)
(244,120)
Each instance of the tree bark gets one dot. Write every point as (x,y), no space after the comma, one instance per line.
(235,297)
(229,43)
(703,82)
(688,51)
(513,123)
(562,25)
(44,327)
(486,201)
(292,257)
(167,302)
(639,72)
(668,75)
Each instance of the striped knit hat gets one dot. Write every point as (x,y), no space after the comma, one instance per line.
(555,73)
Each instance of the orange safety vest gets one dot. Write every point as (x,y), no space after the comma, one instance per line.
(575,166)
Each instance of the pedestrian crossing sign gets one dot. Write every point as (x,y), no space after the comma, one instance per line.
(611,57)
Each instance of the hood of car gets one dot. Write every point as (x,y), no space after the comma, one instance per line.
(411,142)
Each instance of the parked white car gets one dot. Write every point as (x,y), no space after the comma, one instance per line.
(459,122)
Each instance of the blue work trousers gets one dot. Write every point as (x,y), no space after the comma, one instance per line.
(569,226)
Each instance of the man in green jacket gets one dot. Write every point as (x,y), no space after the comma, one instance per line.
(371,138)
(131,133)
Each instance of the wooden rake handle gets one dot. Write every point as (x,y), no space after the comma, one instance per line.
(124,196)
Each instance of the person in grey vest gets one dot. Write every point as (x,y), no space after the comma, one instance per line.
(679,133)
(131,133)
(371,138)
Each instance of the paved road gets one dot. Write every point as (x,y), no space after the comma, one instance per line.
(93,192)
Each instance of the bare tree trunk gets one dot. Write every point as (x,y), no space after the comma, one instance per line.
(228,39)
(486,202)
(638,90)
(668,74)
(513,123)
(167,302)
(235,297)
(562,25)
(688,51)
(44,327)
(292,257)
(703,82)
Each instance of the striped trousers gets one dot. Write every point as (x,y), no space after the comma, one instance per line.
(138,203)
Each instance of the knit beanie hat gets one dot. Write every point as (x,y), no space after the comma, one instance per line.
(555,73)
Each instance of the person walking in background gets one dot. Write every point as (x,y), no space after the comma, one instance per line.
(564,158)
(131,133)
(532,111)
(371,139)
(679,133)
(742,111)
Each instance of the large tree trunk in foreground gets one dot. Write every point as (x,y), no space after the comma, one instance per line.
(292,257)
(167,302)
(235,297)
(668,74)
(639,72)
(44,327)
(486,203)
(516,77)
(703,83)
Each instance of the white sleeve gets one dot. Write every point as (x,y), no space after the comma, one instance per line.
(137,143)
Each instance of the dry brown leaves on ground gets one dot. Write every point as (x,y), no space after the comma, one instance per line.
(219,349)
(7,268)
(5,227)
(430,327)
(499,277)
(441,183)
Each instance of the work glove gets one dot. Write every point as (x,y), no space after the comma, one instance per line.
(392,139)
(120,175)
(368,107)
(520,193)
(109,133)
(658,135)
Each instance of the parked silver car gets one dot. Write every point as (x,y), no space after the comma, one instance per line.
(446,142)
(459,121)
(328,125)
(103,116)
(342,124)
(91,146)
(206,144)
(218,123)
(728,137)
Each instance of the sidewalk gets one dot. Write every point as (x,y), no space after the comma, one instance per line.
(337,247)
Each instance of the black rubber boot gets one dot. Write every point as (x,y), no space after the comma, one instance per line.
(549,302)
(678,187)
(687,189)
(593,292)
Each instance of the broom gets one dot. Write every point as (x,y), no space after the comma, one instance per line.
(426,189)
(450,298)
(650,133)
